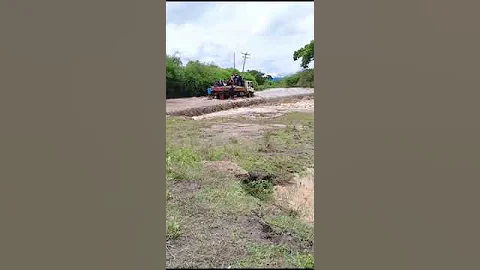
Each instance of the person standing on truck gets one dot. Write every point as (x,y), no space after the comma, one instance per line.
(236,79)
(231,92)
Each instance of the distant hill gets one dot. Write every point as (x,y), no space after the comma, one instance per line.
(275,79)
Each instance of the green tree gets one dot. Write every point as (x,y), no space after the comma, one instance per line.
(305,53)
(175,77)
(258,75)
(306,78)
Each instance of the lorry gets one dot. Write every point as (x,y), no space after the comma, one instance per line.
(223,92)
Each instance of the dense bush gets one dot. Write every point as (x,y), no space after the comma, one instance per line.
(195,77)
(175,77)
(304,78)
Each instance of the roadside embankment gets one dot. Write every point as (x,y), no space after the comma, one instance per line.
(202,105)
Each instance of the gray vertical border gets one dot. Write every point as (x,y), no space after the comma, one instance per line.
(397,134)
(82,140)
(317,103)
(162,135)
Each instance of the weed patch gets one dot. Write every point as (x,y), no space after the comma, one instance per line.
(228,197)
(260,189)
(305,261)
(183,164)
(268,145)
(173,229)
(290,224)
(265,256)
(274,256)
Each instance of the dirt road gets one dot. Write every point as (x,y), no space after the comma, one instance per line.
(201,105)
(305,104)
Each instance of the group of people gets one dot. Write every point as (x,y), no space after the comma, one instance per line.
(235,79)
(219,83)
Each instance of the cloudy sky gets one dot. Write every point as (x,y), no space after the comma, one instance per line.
(213,31)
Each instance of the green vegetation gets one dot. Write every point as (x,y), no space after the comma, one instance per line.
(305,261)
(260,77)
(173,229)
(193,78)
(261,189)
(306,54)
(304,78)
(278,256)
(173,223)
(227,197)
(200,199)
(290,224)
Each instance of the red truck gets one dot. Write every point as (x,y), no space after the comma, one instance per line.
(223,92)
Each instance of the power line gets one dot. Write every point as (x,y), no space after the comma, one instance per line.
(244,60)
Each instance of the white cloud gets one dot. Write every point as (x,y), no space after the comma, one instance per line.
(213,31)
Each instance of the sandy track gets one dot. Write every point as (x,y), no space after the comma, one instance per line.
(202,105)
(264,110)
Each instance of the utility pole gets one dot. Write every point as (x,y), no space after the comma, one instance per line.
(244,59)
(233,60)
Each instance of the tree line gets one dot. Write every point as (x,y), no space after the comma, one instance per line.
(193,78)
